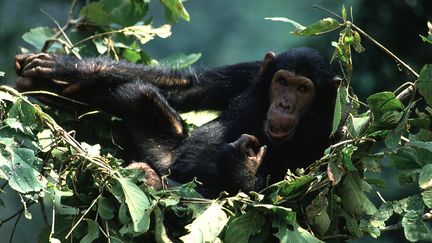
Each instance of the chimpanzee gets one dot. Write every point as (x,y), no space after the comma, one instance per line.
(277,113)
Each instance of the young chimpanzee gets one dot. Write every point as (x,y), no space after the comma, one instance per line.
(277,113)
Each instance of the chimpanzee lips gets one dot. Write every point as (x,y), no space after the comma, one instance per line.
(278,132)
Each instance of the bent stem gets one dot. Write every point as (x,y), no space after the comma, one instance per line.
(387,51)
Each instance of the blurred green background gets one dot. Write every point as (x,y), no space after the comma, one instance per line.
(227,32)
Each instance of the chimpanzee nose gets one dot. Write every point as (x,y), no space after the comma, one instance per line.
(286,105)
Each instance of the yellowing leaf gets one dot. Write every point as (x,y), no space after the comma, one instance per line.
(145,33)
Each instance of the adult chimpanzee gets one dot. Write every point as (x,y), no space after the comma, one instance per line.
(277,112)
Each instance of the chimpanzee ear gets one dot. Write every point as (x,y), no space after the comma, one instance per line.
(335,85)
(336,82)
(267,58)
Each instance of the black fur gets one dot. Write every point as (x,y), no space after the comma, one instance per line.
(148,99)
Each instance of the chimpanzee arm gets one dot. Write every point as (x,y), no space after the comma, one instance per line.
(186,89)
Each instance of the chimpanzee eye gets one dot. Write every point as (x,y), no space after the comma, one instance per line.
(302,89)
(283,81)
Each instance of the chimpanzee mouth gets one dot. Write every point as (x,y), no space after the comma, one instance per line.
(278,133)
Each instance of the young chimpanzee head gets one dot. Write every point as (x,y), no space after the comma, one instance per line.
(301,82)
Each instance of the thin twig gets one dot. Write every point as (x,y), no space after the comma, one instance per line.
(336,236)
(16,214)
(95,36)
(55,95)
(387,51)
(83,215)
(53,219)
(14,228)
(71,9)
(69,23)
(392,227)
(328,11)
(381,197)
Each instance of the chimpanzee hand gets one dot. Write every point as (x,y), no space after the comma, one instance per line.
(35,65)
(47,72)
(247,145)
(152,178)
(40,72)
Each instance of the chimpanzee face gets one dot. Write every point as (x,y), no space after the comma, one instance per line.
(291,96)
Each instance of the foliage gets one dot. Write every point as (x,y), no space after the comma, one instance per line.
(94,198)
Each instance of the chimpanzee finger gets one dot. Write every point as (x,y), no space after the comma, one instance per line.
(260,155)
(249,141)
(42,56)
(38,72)
(19,62)
(38,63)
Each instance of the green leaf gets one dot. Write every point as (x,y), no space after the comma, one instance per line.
(427,197)
(161,235)
(207,226)
(424,83)
(241,228)
(341,52)
(414,227)
(286,213)
(286,189)
(370,164)
(354,201)
(92,231)
(383,214)
(411,156)
(341,106)
(316,213)
(357,43)
(408,176)
(137,203)
(21,168)
(174,9)
(180,60)
(298,27)
(356,125)
(383,102)
(321,27)
(96,14)
(352,225)
(394,136)
(100,46)
(422,145)
(337,110)
(129,12)
(38,36)
(335,171)
(291,232)
(376,182)
(425,179)
(423,136)
(344,13)
(25,113)
(2,74)
(346,157)
(427,39)
(105,208)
